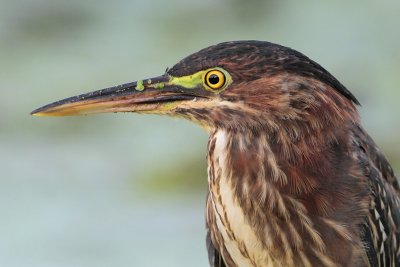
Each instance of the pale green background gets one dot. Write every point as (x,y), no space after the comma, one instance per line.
(129,190)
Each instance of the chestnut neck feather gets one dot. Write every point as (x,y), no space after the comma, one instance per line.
(282,166)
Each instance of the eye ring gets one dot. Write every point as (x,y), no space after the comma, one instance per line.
(215,79)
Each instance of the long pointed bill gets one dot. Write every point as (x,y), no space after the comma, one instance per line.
(156,95)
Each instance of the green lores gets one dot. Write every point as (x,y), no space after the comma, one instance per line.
(198,80)
(189,82)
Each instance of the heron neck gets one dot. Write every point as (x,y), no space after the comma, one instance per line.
(258,187)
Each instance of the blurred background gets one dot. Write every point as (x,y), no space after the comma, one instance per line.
(128,190)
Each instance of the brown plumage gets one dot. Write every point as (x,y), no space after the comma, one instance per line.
(294,179)
(312,185)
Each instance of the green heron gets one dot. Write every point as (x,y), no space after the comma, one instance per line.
(293,178)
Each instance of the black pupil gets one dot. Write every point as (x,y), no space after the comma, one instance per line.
(213,79)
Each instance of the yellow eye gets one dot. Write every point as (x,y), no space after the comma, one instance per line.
(215,79)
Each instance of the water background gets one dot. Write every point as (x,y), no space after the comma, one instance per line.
(129,190)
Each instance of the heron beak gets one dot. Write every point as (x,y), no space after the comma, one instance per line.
(156,95)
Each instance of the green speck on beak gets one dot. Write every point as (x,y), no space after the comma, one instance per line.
(139,85)
(159,85)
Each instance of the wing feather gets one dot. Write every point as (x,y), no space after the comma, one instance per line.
(382,227)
